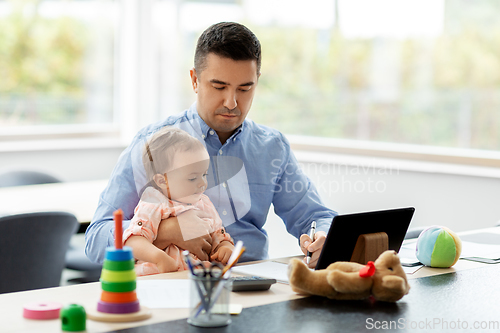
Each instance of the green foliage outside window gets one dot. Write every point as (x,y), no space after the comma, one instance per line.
(318,83)
(445,89)
(41,66)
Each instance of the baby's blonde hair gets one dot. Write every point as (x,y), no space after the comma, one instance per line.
(162,146)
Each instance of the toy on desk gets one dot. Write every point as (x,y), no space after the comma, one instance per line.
(73,318)
(44,310)
(438,247)
(384,279)
(119,300)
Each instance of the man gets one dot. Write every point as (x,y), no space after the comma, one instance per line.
(252,166)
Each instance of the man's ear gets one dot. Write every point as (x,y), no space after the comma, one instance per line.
(160,181)
(194,80)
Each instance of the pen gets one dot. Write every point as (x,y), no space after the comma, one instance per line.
(311,235)
(237,252)
(185,253)
(232,261)
(204,303)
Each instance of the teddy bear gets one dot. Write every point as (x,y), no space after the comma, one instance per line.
(383,279)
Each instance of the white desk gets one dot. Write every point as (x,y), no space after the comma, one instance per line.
(78,198)
(11,304)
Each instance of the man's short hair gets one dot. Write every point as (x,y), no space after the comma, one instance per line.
(229,40)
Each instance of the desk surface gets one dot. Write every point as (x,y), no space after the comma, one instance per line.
(11,305)
(78,198)
(449,310)
(281,300)
(467,292)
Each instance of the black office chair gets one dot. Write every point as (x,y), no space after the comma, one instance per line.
(33,248)
(75,256)
(77,260)
(26,177)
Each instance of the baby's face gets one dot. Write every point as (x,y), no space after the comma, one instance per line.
(187,178)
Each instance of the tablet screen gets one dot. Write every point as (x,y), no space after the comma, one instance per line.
(345,230)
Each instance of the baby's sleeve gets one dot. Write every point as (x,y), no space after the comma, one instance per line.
(147,217)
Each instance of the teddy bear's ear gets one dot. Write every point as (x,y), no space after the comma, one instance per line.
(391,289)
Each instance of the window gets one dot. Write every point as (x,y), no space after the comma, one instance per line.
(56,65)
(419,72)
(423,72)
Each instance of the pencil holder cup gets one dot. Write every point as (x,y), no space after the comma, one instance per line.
(209,301)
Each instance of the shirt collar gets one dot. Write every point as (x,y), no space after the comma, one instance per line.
(194,115)
(240,129)
(205,128)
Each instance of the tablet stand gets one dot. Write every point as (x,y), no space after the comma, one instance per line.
(369,247)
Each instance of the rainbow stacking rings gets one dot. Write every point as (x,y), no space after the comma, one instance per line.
(118,282)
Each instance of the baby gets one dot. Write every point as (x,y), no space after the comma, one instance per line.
(176,165)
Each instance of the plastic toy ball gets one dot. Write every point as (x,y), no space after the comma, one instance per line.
(438,247)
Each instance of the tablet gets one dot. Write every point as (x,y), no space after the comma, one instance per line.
(345,230)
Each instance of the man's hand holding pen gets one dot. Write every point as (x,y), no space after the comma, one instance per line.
(314,247)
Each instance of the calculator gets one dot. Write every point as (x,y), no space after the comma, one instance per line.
(251,283)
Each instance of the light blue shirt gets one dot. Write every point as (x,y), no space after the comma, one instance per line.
(253,169)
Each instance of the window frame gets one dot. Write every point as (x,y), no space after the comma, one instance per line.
(399,151)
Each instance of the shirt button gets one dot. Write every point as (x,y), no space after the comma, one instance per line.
(203,136)
(224,184)
(224,212)
(220,152)
(211,132)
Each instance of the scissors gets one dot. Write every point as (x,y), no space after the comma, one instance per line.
(214,271)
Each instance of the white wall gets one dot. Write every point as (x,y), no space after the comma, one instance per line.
(460,202)
(77,164)
(449,198)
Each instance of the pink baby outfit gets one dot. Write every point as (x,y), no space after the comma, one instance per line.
(154,207)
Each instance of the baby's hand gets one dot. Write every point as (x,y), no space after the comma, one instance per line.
(165,263)
(223,253)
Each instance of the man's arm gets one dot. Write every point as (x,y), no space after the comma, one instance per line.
(194,235)
(120,193)
(297,202)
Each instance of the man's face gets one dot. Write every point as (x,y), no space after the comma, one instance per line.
(225,90)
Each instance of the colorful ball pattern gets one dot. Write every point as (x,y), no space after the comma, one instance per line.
(438,246)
